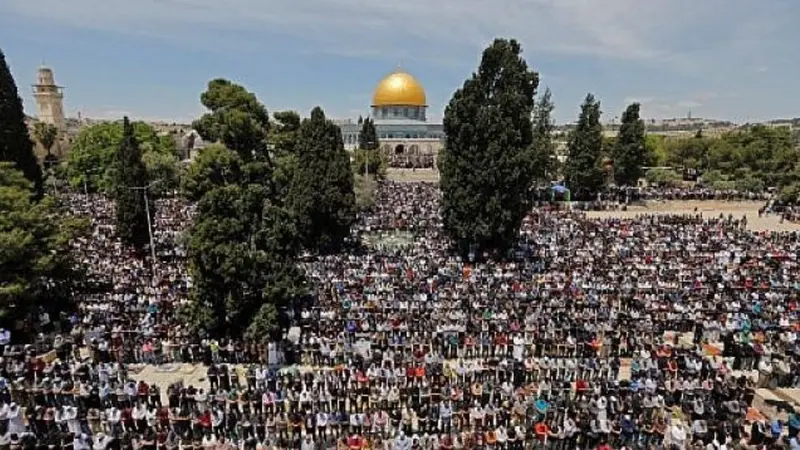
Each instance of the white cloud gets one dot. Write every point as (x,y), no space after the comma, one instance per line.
(626,29)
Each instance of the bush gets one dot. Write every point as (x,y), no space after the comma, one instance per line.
(663,177)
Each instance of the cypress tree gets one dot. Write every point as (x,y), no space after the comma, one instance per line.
(629,152)
(487,163)
(543,145)
(15,142)
(368,157)
(321,193)
(130,181)
(583,173)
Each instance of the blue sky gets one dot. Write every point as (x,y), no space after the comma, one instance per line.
(726,59)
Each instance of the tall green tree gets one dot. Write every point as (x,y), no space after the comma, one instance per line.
(284,136)
(244,242)
(630,149)
(367,157)
(15,142)
(37,268)
(46,134)
(544,149)
(487,165)
(321,194)
(130,187)
(583,172)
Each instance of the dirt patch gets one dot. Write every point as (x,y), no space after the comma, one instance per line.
(708,209)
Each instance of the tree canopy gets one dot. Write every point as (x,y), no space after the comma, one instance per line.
(46,134)
(487,164)
(15,142)
(630,150)
(749,158)
(583,173)
(92,156)
(36,265)
(130,182)
(236,119)
(321,194)
(543,146)
(367,157)
(244,242)
(242,252)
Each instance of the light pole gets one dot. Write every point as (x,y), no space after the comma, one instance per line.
(144,190)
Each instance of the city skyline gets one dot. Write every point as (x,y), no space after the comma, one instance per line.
(150,60)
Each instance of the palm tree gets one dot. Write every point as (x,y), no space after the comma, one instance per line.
(46,134)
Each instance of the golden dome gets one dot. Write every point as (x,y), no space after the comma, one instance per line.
(399,89)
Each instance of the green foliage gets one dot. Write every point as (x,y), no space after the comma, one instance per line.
(215,166)
(743,179)
(583,173)
(130,181)
(686,152)
(321,193)
(655,150)
(790,194)
(284,134)
(164,167)
(244,242)
(754,157)
(46,134)
(93,153)
(373,160)
(236,119)
(544,149)
(663,177)
(367,158)
(368,135)
(15,143)
(36,264)
(242,253)
(284,138)
(487,165)
(630,151)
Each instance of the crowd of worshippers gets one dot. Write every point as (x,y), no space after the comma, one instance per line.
(651,332)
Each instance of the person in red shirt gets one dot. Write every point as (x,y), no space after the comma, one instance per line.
(604,446)
(542,431)
(204,419)
(355,442)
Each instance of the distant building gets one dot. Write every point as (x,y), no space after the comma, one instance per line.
(49,100)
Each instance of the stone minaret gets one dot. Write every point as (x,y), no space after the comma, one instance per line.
(49,99)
